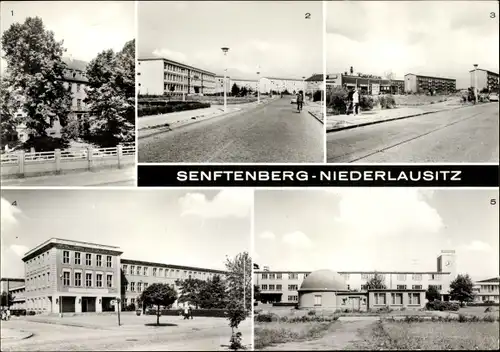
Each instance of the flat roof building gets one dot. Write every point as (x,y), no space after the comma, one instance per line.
(486,80)
(421,84)
(371,84)
(487,290)
(160,76)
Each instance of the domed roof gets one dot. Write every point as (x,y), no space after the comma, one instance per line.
(323,280)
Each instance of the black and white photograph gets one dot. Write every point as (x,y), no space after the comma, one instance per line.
(412,81)
(68,93)
(230,82)
(376,269)
(126,270)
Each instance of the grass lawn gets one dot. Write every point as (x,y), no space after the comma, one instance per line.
(436,336)
(479,311)
(268,334)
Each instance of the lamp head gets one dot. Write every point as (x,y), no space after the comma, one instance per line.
(225,50)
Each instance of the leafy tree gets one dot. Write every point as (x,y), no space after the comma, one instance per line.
(111,97)
(376,282)
(461,289)
(6,299)
(432,294)
(244,91)
(235,90)
(213,294)
(239,282)
(256,292)
(190,290)
(34,75)
(158,295)
(124,283)
(8,121)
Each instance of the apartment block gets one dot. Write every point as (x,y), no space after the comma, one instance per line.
(487,290)
(280,85)
(159,76)
(485,80)
(425,84)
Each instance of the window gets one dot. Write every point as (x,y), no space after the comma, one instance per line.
(88,280)
(132,269)
(272,276)
(416,287)
(271,287)
(48,277)
(414,298)
(139,287)
(98,260)
(293,287)
(160,272)
(380,298)
(78,259)
(264,287)
(109,280)
(264,276)
(109,262)
(401,287)
(132,301)
(397,298)
(154,271)
(417,277)
(124,268)
(433,276)
(145,271)
(293,298)
(317,300)
(78,87)
(138,272)
(145,285)
(66,257)
(293,276)
(278,288)
(401,277)
(132,286)
(98,280)
(364,276)
(88,259)
(279,276)
(437,287)
(78,279)
(66,280)
(346,276)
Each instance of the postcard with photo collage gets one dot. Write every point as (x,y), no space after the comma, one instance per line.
(249,175)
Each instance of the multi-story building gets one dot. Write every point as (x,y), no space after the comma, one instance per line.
(370,84)
(280,85)
(75,81)
(314,83)
(425,84)
(487,290)
(159,76)
(140,274)
(249,84)
(485,80)
(282,286)
(15,286)
(65,276)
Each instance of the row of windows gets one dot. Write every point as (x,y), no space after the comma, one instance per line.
(397,298)
(37,282)
(279,276)
(40,259)
(293,298)
(77,259)
(279,287)
(399,277)
(139,270)
(89,279)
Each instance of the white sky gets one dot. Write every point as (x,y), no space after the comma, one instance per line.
(193,228)
(437,38)
(376,229)
(87,27)
(270,34)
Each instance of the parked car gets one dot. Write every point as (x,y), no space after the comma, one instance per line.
(493,97)
(293,100)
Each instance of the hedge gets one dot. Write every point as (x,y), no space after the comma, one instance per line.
(483,304)
(442,306)
(18,312)
(284,304)
(168,107)
(212,313)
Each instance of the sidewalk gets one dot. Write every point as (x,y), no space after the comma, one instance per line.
(13,334)
(315,109)
(149,125)
(341,122)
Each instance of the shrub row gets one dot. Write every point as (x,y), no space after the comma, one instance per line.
(148,110)
(212,313)
(284,304)
(483,304)
(442,306)
(461,319)
(269,317)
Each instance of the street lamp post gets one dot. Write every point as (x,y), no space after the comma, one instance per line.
(476,90)
(258,87)
(225,50)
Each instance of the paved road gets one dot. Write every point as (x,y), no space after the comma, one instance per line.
(178,336)
(104,177)
(464,135)
(273,132)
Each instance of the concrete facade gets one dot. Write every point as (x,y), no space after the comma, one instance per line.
(159,76)
(279,85)
(424,84)
(283,286)
(485,80)
(487,290)
(371,84)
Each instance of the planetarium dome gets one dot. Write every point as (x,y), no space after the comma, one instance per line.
(323,280)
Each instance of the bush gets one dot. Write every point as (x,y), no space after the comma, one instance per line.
(45,144)
(442,306)
(311,312)
(168,107)
(336,100)
(266,318)
(31,312)
(129,308)
(213,313)
(387,101)
(366,103)
(484,304)
(284,304)
(314,318)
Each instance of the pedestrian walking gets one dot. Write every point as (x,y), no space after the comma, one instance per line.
(349,102)
(191,312)
(300,101)
(355,100)
(8,314)
(186,312)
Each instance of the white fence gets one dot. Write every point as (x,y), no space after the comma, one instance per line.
(22,164)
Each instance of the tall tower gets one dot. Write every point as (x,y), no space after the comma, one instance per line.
(446,262)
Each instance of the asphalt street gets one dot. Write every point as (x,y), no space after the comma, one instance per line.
(273,132)
(464,135)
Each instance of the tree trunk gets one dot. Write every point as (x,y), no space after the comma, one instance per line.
(158,315)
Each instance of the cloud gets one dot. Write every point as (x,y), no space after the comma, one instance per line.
(267,235)
(298,239)
(478,246)
(9,213)
(169,54)
(387,212)
(227,203)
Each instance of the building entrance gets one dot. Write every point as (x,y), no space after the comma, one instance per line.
(88,304)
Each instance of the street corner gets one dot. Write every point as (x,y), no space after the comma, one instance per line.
(11,334)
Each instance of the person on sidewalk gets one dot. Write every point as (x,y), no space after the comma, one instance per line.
(8,314)
(349,102)
(355,100)
(191,312)
(300,101)
(186,312)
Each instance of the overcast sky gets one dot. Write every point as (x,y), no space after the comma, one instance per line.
(376,229)
(436,38)
(194,228)
(87,27)
(273,35)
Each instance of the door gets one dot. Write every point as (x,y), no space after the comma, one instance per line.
(355,303)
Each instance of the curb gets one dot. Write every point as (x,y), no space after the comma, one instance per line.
(162,128)
(316,117)
(68,324)
(391,119)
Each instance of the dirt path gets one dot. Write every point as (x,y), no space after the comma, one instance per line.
(347,335)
